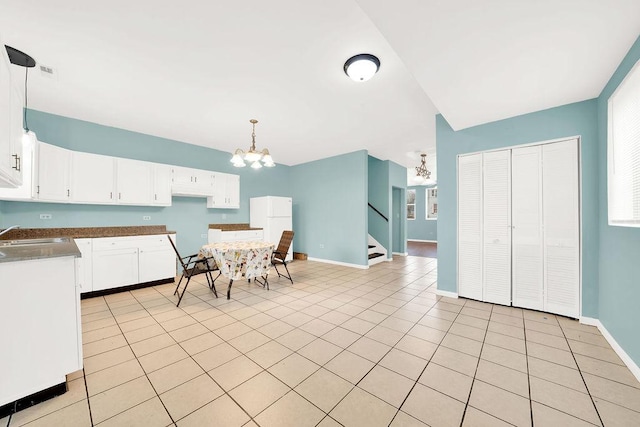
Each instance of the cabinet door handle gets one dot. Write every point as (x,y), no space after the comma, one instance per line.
(119,195)
(68,193)
(111,194)
(38,189)
(17,160)
(155,197)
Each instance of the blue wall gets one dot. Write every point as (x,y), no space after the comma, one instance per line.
(189,217)
(330,208)
(569,120)
(619,246)
(398,187)
(422,228)
(379,194)
(385,177)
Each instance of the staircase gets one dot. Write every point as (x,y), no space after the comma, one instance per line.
(377,252)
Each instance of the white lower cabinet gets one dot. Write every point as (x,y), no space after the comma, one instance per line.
(216,235)
(41,335)
(115,268)
(85,264)
(156,258)
(123,261)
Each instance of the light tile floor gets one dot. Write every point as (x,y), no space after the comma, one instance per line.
(341,346)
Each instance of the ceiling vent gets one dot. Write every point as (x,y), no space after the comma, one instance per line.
(47,71)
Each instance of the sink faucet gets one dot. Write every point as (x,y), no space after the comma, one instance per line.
(9,229)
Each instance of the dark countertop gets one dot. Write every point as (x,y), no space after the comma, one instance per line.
(232,227)
(85,232)
(38,251)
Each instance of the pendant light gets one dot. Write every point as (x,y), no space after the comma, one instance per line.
(252,156)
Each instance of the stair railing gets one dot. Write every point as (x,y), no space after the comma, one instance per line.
(378,212)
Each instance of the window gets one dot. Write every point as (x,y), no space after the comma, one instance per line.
(411,204)
(432,203)
(623,149)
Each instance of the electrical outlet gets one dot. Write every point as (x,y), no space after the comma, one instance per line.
(203,235)
(146,218)
(46,216)
(321,245)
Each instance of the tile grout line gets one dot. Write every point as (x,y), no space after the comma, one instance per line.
(583,380)
(434,352)
(526,357)
(473,380)
(139,364)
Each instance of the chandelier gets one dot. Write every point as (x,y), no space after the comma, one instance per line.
(422,171)
(252,156)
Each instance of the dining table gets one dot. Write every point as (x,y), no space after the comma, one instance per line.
(250,259)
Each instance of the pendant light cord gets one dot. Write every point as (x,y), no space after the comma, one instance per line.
(26,104)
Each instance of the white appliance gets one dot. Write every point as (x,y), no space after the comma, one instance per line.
(274,215)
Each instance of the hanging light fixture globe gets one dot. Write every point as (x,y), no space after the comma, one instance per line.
(252,156)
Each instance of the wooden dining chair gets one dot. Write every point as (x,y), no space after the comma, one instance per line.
(192,265)
(280,254)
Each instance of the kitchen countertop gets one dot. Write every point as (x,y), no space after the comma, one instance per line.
(39,251)
(232,227)
(68,247)
(85,232)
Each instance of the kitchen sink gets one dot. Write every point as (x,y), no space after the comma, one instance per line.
(28,242)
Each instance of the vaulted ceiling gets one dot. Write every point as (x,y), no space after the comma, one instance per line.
(197,71)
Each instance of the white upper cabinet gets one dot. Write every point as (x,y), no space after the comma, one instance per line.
(52,178)
(92,178)
(135,182)
(162,185)
(226,191)
(191,182)
(10,125)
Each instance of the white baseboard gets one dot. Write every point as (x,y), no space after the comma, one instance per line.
(633,367)
(446,293)
(401,253)
(344,264)
(422,241)
(389,259)
(591,321)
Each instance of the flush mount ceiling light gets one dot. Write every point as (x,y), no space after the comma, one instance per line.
(252,156)
(361,68)
(422,172)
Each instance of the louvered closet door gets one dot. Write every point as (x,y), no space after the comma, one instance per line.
(470,226)
(527,258)
(496,201)
(561,228)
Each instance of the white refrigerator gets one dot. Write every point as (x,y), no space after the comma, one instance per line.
(272,214)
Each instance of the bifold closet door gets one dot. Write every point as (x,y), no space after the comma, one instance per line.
(496,218)
(470,226)
(561,217)
(527,258)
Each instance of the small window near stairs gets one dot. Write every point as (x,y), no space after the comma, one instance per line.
(411,204)
(432,203)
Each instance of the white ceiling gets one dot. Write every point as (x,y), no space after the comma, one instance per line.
(197,71)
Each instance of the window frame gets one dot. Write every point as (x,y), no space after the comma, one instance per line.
(612,204)
(412,204)
(427,198)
